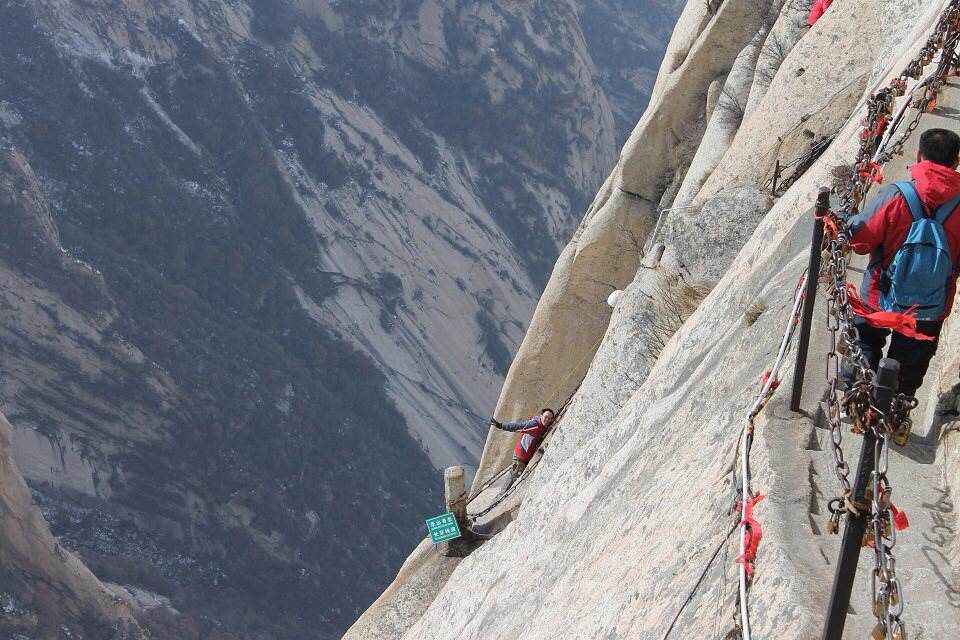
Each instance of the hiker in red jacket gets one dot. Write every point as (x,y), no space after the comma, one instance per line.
(925,286)
(817,10)
(533,432)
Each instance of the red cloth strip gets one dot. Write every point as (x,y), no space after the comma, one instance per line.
(753,534)
(900,521)
(766,376)
(903,323)
(829,225)
(871,171)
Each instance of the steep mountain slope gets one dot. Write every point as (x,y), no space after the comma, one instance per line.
(263,266)
(70,602)
(624,528)
(626,41)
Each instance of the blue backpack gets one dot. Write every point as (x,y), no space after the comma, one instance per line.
(918,276)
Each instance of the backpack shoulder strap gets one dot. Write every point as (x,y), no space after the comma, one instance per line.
(944,211)
(913,199)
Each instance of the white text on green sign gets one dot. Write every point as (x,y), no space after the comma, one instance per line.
(443,528)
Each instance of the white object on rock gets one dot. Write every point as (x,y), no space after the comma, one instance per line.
(613,297)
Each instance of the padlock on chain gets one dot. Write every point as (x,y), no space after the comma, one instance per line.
(878,605)
(880,633)
(833,524)
(836,512)
(901,437)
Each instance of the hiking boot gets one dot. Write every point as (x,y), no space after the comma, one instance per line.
(901,437)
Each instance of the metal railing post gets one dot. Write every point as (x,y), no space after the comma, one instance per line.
(885,387)
(455,500)
(810,297)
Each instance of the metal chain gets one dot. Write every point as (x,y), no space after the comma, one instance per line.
(844,343)
(885,586)
(876,149)
(943,40)
(887,594)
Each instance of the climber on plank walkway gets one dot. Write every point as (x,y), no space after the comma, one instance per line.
(913,240)
(533,431)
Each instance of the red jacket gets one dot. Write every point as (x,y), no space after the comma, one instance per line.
(817,10)
(883,225)
(533,431)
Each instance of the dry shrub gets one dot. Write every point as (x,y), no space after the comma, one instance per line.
(731,108)
(673,301)
(753,313)
(712,6)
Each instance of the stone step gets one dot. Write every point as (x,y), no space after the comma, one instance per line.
(930,584)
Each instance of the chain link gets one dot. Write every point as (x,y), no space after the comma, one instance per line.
(844,344)
(877,147)
(943,40)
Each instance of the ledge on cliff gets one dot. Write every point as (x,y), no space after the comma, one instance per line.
(624,515)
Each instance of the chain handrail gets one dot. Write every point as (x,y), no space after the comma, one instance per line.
(878,145)
(768,385)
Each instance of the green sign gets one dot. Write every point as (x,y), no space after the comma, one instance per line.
(443,528)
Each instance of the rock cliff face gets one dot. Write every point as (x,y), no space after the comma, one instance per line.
(622,530)
(626,41)
(70,601)
(264,264)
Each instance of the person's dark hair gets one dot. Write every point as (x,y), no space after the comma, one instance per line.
(552,412)
(941,146)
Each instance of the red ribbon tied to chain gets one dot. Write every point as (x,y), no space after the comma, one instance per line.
(875,130)
(900,521)
(903,323)
(829,225)
(753,533)
(765,377)
(871,171)
(880,127)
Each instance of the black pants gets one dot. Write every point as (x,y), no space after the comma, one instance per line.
(913,355)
